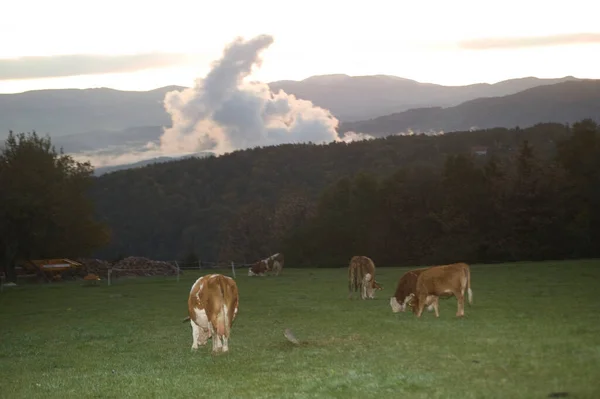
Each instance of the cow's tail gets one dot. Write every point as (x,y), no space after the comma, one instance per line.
(469,291)
(186,319)
(352,280)
(222,326)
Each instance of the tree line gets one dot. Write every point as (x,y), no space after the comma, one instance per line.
(522,207)
(403,200)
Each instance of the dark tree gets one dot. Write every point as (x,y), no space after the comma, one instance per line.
(45,210)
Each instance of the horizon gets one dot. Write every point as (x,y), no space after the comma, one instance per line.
(456,45)
(309,77)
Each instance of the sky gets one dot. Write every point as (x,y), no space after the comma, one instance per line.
(134,45)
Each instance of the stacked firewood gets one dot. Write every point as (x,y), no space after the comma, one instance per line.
(131,266)
(94,266)
(138,266)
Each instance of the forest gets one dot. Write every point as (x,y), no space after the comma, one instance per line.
(402,200)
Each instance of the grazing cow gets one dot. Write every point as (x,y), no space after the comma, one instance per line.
(273,263)
(212,307)
(361,276)
(442,281)
(405,292)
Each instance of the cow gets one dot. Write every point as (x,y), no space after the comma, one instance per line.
(212,308)
(273,263)
(361,276)
(443,281)
(405,292)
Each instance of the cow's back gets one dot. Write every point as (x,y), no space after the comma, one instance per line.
(210,293)
(438,280)
(359,267)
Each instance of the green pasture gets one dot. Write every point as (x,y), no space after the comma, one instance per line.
(532,331)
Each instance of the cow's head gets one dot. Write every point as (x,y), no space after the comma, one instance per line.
(372,287)
(203,336)
(401,306)
(257,269)
(377,286)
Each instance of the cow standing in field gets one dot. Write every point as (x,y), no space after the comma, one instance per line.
(212,307)
(405,292)
(443,281)
(273,263)
(361,276)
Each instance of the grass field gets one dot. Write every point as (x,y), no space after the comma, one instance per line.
(533,330)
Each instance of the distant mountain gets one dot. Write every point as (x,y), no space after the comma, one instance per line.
(98,139)
(565,102)
(107,169)
(71,111)
(352,98)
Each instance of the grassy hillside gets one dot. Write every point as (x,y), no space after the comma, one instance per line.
(533,330)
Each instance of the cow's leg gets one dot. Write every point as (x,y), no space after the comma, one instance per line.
(195,335)
(422,300)
(364,285)
(460,298)
(225,343)
(435,305)
(216,341)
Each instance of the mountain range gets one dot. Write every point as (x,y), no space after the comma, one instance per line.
(106,120)
(72,111)
(354,98)
(565,102)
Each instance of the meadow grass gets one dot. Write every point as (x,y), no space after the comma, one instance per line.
(533,330)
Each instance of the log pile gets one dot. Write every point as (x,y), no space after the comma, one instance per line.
(95,266)
(138,266)
(130,266)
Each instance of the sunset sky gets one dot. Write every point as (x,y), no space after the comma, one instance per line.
(136,45)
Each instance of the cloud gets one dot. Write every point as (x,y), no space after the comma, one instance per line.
(34,67)
(353,136)
(529,41)
(222,113)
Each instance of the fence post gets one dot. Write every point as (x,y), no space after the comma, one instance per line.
(109,273)
(199,264)
(233,269)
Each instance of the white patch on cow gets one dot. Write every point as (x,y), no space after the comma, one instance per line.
(430,307)
(250,272)
(408,299)
(396,307)
(225,344)
(200,317)
(195,335)
(193,285)
(470,295)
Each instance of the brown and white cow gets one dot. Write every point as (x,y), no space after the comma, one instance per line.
(273,263)
(443,281)
(212,307)
(405,292)
(361,276)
